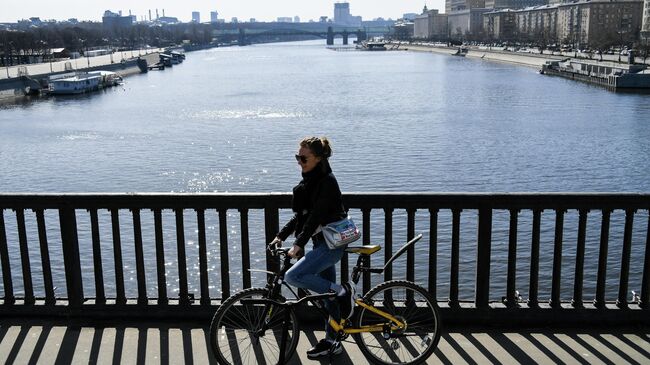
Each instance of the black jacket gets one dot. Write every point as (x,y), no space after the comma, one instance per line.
(316,201)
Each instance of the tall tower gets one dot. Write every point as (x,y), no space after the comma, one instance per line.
(645,28)
(341,13)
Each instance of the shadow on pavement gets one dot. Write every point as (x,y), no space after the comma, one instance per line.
(166,343)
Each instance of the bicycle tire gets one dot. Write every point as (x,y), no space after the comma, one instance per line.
(232,337)
(417,309)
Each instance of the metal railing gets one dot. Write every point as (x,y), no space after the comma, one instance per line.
(441,214)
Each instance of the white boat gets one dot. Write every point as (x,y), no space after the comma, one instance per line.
(76,84)
(79,83)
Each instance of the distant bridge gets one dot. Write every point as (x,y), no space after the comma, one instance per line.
(246,36)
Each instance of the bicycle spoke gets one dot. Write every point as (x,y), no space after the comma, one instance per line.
(236,336)
(409,304)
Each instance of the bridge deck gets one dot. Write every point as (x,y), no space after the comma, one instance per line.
(49,342)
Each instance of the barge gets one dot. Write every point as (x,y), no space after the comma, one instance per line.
(79,83)
(612,75)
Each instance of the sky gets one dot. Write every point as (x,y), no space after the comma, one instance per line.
(261,10)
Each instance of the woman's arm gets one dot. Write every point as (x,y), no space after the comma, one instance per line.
(288,228)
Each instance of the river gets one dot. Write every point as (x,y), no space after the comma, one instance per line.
(229,119)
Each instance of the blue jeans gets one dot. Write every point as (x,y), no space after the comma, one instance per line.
(316,272)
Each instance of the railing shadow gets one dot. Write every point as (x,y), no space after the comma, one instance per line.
(46,341)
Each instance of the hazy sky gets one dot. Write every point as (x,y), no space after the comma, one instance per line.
(263,10)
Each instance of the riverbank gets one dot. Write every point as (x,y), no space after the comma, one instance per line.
(37,74)
(523,59)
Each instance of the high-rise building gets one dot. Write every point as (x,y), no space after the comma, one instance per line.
(296,19)
(598,23)
(214,16)
(196,17)
(341,13)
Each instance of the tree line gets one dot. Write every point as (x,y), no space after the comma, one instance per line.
(92,35)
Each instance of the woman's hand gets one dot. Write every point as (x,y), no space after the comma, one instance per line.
(295,251)
(274,245)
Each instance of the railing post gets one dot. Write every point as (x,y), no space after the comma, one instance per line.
(6,263)
(160,258)
(601,286)
(183,292)
(117,257)
(245,247)
(24,257)
(271,224)
(410,233)
(223,253)
(511,287)
(71,260)
(45,258)
(433,253)
(580,260)
(483,257)
(203,258)
(621,302)
(388,242)
(366,241)
(645,285)
(557,260)
(100,293)
(455,259)
(139,258)
(533,301)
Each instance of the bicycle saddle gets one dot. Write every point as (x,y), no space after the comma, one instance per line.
(364,250)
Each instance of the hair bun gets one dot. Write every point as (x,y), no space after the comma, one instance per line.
(327,148)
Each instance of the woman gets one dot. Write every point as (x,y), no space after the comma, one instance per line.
(317,202)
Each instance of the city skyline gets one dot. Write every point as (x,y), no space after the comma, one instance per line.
(259,9)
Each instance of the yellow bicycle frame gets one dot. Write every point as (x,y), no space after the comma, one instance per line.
(395,323)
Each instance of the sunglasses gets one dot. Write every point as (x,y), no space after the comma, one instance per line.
(301,158)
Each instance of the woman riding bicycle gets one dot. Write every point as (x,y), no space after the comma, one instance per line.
(316,202)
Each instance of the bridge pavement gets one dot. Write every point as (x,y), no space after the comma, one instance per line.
(57,342)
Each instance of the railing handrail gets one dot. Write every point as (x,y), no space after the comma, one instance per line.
(418,200)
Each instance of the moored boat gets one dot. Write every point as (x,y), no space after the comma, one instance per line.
(613,75)
(79,83)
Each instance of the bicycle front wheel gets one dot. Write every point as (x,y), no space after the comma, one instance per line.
(245,333)
(410,304)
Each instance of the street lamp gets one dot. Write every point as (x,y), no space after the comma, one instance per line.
(44,44)
(11,46)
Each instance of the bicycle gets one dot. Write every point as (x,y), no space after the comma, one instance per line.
(396,322)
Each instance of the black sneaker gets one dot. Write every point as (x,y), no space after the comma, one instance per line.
(346,301)
(323,348)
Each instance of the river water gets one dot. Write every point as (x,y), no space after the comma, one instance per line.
(228,120)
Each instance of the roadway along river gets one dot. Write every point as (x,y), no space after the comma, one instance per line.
(228,120)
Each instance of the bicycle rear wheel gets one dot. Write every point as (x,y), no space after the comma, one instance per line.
(410,304)
(251,333)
